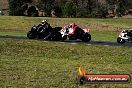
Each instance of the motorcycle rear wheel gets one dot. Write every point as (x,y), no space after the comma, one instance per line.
(64,38)
(56,36)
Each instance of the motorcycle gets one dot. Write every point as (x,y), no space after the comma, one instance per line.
(47,33)
(125,36)
(74,33)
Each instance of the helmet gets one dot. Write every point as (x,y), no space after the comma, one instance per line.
(71,25)
(44,21)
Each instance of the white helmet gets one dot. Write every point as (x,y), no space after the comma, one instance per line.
(44,21)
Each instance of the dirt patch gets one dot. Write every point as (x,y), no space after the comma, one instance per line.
(127,16)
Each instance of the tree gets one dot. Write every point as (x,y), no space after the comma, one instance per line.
(16,7)
(69,9)
(73,8)
(46,5)
(118,7)
(32,11)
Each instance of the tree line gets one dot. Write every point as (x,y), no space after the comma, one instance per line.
(71,8)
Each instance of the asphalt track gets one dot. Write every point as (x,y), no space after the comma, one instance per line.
(92,42)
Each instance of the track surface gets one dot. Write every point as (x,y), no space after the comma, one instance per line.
(92,42)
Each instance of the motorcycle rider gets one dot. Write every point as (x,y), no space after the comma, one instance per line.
(72,28)
(45,24)
(72,25)
(47,28)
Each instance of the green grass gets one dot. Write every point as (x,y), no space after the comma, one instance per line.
(13,33)
(104,36)
(101,29)
(42,64)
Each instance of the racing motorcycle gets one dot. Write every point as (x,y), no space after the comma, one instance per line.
(47,33)
(74,32)
(125,36)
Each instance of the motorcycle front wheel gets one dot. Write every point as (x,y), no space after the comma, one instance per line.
(31,35)
(86,37)
(120,40)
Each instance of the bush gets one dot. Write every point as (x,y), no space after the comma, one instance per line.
(100,12)
(16,7)
(69,9)
(32,11)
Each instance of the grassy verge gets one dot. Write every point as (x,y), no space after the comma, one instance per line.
(13,33)
(37,64)
(101,29)
(104,35)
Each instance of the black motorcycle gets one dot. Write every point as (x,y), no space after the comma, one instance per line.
(45,32)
